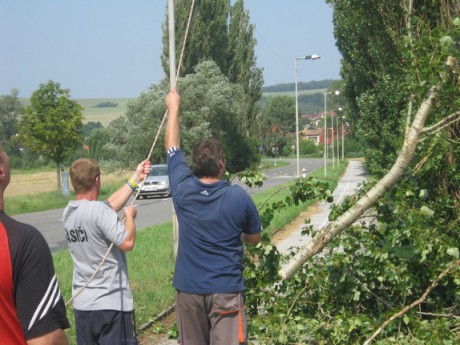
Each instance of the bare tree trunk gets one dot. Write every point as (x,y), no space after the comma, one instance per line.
(386,183)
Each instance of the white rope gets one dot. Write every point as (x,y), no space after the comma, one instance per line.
(148,156)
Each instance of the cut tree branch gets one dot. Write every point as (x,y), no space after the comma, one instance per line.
(326,234)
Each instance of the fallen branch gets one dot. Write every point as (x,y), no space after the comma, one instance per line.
(333,229)
(415,303)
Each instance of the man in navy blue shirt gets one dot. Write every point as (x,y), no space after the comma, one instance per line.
(215,218)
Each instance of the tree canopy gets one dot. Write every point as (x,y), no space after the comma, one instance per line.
(211,107)
(51,124)
(10,109)
(220,32)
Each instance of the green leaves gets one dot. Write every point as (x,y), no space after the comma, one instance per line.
(453,252)
(51,124)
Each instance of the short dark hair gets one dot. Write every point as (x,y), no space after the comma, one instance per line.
(205,158)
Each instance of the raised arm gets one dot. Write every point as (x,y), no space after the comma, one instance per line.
(118,199)
(172,133)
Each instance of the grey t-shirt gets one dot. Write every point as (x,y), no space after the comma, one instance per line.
(90,228)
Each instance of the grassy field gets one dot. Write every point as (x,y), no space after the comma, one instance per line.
(37,190)
(106,114)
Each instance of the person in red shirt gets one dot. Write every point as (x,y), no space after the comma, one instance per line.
(32,310)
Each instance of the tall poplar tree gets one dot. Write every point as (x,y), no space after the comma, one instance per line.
(208,34)
(242,65)
(222,33)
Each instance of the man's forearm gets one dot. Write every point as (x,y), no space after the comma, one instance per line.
(118,199)
(172,132)
(128,243)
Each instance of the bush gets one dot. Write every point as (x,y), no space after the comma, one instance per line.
(106,105)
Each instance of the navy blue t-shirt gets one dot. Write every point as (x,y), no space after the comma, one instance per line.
(211,219)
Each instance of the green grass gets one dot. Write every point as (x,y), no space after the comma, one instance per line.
(287,215)
(150,270)
(151,263)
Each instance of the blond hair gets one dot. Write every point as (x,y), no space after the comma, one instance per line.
(83,172)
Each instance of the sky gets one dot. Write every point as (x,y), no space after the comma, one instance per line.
(112,48)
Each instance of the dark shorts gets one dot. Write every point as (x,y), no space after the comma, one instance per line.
(215,319)
(105,327)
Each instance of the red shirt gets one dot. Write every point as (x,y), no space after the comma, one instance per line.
(10,328)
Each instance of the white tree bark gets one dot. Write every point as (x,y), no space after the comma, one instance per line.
(333,229)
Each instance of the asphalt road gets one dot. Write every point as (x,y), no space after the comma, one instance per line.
(154,211)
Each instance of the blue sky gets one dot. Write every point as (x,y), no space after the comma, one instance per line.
(111,48)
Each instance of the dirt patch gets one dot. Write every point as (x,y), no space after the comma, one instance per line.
(149,337)
(295,225)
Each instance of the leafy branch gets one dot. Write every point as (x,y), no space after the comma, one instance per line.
(415,303)
(333,229)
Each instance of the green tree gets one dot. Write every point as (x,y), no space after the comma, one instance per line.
(280,111)
(10,109)
(51,124)
(275,123)
(222,33)
(96,141)
(90,126)
(208,37)
(211,107)
(242,64)
(307,146)
(400,72)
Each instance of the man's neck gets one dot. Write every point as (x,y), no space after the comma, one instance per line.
(209,180)
(91,196)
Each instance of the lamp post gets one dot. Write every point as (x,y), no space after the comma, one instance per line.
(337,122)
(306,57)
(336,92)
(343,139)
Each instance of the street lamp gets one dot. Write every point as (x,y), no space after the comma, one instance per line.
(336,92)
(343,138)
(337,122)
(306,57)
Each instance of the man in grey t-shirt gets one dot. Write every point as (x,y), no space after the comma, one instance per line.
(104,310)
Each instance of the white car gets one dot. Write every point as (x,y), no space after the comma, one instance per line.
(157,183)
